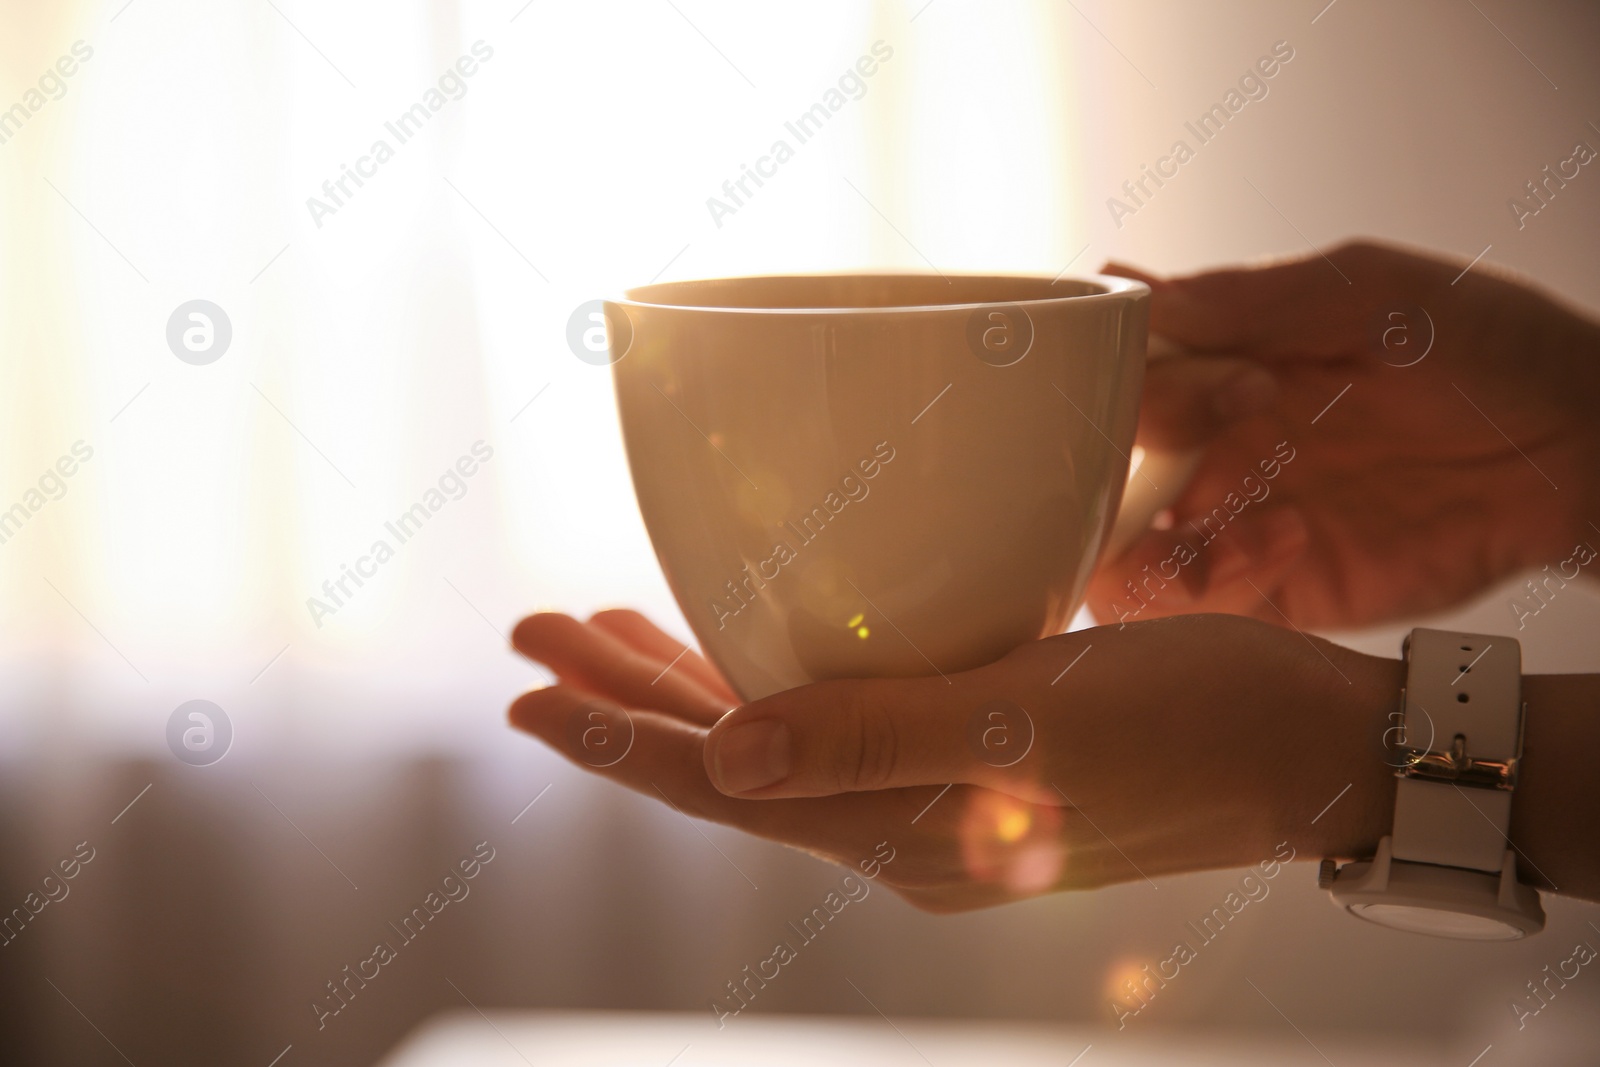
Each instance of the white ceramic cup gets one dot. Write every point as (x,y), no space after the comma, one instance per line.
(875,475)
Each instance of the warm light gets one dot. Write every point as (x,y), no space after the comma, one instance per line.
(1124,976)
(373,346)
(1013,825)
(1010,842)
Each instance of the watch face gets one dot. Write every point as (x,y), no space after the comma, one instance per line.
(1437,922)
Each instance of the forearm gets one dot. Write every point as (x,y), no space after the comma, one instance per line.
(1571,339)
(1555,818)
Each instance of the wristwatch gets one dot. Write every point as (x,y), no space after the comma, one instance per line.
(1448,868)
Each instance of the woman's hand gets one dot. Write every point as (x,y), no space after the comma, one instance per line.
(1096,757)
(1440,425)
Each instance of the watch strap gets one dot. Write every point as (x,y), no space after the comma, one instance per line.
(1463,707)
(1448,826)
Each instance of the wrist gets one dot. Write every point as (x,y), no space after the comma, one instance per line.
(1362,722)
(1554,809)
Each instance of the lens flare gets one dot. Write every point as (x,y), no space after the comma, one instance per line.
(1125,983)
(1013,825)
(1006,841)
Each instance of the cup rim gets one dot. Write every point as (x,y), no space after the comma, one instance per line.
(1113,288)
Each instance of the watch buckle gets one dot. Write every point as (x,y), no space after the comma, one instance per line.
(1455,767)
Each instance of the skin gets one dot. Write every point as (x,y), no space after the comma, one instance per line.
(1196,736)
(1402,500)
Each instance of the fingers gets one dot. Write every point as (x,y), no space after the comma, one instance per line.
(1200,569)
(1188,400)
(946,848)
(662,757)
(595,660)
(656,754)
(634,629)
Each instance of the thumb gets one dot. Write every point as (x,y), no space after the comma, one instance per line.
(1311,305)
(846,736)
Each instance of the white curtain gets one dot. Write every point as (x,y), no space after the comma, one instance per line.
(384,325)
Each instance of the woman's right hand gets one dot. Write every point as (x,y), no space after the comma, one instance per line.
(1442,427)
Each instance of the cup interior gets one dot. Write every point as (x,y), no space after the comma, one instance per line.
(847,293)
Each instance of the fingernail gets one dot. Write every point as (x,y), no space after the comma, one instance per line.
(1128,270)
(751,756)
(1248,394)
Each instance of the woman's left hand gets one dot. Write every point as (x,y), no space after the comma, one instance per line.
(1082,760)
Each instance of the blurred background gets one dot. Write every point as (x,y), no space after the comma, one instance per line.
(379,333)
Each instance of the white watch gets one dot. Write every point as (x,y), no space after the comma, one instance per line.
(1448,868)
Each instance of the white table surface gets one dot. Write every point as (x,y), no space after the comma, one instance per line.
(659,1039)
